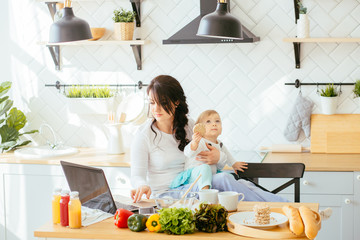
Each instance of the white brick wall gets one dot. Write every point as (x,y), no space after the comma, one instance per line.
(244,82)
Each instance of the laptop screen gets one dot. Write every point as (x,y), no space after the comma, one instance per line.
(94,191)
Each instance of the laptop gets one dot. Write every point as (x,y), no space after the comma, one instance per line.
(93,188)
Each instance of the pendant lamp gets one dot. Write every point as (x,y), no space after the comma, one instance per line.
(69,28)
(220,23)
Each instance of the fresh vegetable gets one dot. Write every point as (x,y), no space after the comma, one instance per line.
(153,224)
(177,220)
(121,216)
(211,218)
(137,222)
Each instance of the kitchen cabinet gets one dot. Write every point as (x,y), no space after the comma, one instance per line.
(26,192)
(333,190)
(136,45)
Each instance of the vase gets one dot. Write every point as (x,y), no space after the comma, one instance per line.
(124,31)
(329,105)
(302,26)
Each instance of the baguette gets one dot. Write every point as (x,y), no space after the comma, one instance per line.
(295,223)
(310,222)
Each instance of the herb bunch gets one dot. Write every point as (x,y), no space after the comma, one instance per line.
(329,91)
(211,218)
(88,92)
(356,90)
(302,9)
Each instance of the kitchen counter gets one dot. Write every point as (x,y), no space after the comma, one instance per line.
(99,157)
(107,230)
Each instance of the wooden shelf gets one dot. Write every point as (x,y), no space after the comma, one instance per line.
(321,40)
(94,43)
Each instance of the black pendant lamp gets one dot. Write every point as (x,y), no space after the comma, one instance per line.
(69,28)
(220,24)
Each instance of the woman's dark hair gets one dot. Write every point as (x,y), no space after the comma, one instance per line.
(168,92)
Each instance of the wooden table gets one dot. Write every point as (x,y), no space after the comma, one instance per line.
(107,230)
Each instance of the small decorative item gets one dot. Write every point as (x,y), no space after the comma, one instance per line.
(356,90)
(123,24)
(329,99)
(302,26)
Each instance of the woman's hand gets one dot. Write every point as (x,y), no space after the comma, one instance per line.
(209,157)
(239,166)
(136,194)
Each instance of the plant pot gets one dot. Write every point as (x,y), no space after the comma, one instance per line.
(329,105)
(90,105)
(124,31)
(302,26)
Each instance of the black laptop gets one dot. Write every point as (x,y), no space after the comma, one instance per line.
(94,191)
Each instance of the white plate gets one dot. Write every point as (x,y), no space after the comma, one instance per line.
(248,219)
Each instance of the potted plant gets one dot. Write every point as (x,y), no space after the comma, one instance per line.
(329,99)
(356,90)
(12,121)
(123,24)
(302,24)
(89,100)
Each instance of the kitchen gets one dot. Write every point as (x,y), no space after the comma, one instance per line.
(244,82)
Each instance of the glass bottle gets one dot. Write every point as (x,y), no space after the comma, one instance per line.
(64,210)
(59,11)
(74,210)
(56,205)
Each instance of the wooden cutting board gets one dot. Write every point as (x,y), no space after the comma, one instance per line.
(339,133)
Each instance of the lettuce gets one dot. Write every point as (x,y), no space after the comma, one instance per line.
(211,218)
(177,220)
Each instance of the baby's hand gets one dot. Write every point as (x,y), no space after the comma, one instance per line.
(239,166)
(196,137)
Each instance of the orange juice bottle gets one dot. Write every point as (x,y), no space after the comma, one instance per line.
(74,210)
(56,205)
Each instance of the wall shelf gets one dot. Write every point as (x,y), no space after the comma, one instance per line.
(136,45)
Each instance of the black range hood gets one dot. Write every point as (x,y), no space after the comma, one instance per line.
(187,35)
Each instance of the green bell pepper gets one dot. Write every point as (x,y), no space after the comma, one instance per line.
(137,222)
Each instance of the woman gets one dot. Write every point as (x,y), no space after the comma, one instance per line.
(157,155)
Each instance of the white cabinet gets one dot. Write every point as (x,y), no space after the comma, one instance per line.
(330,189)
(26,192)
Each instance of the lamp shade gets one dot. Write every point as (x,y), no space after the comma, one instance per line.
(69,28)
(220,24)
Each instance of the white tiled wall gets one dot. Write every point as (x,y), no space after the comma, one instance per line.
(243,82)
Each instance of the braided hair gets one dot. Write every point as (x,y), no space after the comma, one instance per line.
(168,93)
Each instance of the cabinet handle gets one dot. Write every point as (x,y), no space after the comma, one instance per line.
(347,201)
(120,179)
(358,177)
(306,182)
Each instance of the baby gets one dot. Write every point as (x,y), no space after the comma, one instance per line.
(206,131)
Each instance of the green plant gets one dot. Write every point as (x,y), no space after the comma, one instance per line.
(356,90)
(11,121)
(329,91)
(123,16)
(302,9)
(88,92)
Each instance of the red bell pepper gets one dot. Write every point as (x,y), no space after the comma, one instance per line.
(121,216)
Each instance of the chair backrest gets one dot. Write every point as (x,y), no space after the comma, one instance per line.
(275,170)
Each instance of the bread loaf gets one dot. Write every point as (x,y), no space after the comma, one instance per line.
(295,223)
(310,222)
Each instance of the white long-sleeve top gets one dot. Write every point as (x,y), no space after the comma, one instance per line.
(156,159)
(225,156)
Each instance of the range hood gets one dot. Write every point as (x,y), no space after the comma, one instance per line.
(187,35)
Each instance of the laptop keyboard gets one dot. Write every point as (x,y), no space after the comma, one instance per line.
(126,206)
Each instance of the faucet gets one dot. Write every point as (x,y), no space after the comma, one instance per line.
(54,144)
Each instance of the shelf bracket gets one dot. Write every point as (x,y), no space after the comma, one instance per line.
(297,54)
(136,8)
(296,8)
(52,8)
(55,54)
(137,54)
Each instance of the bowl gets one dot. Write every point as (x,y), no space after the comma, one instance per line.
(170,198)
(97,33)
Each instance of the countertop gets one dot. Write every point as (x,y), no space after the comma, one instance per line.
(107,230)
(99,157)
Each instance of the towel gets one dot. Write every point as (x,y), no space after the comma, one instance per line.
(90,216)
(299,119)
